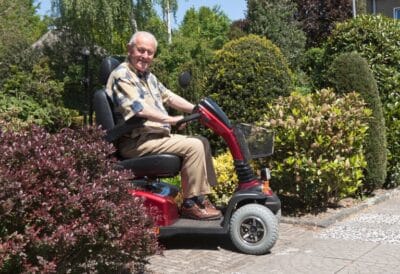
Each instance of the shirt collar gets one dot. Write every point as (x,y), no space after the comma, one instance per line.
(141,75)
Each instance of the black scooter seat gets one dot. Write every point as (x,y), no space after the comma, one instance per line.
(153,166)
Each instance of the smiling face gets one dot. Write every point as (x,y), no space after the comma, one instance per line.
(141,52)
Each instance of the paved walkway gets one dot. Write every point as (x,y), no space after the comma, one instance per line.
(367,241)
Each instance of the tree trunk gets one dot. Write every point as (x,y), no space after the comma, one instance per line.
(168,21)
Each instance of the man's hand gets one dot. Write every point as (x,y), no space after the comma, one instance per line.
(175,119)
(172,120)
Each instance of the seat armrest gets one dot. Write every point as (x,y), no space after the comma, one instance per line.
(118,131)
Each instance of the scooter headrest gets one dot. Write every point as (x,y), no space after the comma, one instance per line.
(107,66)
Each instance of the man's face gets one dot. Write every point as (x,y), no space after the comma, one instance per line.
(142,53)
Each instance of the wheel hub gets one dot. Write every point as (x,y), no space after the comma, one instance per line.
(252,230)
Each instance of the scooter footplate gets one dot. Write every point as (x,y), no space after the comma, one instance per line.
(189,226)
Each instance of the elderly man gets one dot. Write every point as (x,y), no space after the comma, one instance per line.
(137,92)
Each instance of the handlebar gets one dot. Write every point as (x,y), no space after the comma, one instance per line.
(188,118)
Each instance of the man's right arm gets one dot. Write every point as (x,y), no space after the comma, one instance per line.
(131,104)
(155,115)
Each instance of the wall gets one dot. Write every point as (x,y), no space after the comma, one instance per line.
(383,6)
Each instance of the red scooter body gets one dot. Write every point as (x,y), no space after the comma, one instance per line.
(164,208)
(211,116)
(251,217)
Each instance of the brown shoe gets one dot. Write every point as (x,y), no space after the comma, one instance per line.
(198,213)
(208,204)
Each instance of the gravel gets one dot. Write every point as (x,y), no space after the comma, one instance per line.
(371,227)
(359,220)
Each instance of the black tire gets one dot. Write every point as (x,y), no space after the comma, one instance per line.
(254,229)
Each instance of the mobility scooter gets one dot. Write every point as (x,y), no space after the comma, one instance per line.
(251,217)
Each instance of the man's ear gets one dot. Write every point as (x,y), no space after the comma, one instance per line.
(129,47)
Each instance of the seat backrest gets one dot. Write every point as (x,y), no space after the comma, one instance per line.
(103,109)
(151,166)
(107,66)
(102,104)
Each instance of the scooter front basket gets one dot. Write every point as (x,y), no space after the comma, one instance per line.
(260,141)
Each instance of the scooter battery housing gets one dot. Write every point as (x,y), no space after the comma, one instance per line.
(163,208)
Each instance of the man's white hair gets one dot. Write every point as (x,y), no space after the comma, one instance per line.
(146,34)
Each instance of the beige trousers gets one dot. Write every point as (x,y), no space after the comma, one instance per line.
(197,172)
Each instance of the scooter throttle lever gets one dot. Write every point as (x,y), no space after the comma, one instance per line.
(188,118)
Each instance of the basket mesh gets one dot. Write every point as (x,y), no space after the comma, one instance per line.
(260,141)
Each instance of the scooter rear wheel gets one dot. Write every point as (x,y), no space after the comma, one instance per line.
(254,229)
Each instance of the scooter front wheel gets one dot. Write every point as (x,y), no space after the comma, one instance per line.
(254,229)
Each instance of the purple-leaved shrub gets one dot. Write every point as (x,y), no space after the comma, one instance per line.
(65,209)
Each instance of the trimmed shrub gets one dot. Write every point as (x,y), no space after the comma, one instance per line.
(247,74)
(392,113)
(376,38)
(314,67)
(65,209)
(319,155)
(350,72)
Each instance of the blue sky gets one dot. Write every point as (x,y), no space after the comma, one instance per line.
(234,9)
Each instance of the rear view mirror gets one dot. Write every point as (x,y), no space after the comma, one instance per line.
(184,79)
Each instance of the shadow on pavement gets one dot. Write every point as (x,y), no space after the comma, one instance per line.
(192,241)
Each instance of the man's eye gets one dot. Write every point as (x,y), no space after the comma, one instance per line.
(143,50)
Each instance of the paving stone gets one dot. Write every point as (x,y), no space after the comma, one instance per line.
(370,268)
(338,249)
(383,254)
(359,243)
